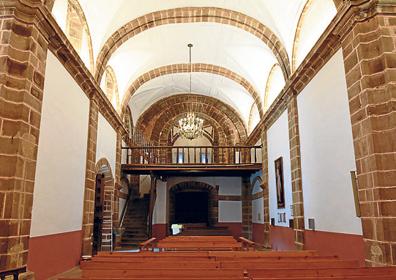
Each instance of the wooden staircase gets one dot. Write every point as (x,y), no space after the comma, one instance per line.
(134,224)
(225,264)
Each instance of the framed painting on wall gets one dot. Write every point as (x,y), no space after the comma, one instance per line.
(280,188)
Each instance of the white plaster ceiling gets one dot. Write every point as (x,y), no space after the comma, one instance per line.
(105,16)
(205,84)
(232,48)
(214,43)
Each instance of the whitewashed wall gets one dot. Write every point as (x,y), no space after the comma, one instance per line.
(327,154)
(160,213)
(144,184)
(106,143)
(123,152)
(278,146)
(258,211)
(121,206)
(257,204)
(60,172)
(230,211)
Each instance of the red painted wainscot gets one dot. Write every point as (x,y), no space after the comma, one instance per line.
(346,246)
(52,254)
(159,231)
(282,238)
(234,228)
(258,233)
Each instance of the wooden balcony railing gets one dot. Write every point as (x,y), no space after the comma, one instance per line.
(194,155)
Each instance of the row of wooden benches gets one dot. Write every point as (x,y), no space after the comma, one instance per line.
(201,243)
(227,264)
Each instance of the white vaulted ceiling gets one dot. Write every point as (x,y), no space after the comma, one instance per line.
(206,84)
(222,45)
(228,47)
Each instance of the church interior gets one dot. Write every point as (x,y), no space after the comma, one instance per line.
(198,139)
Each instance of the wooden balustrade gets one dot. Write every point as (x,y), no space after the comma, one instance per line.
(194,155)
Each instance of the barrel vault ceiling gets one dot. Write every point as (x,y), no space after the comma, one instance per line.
(240,46)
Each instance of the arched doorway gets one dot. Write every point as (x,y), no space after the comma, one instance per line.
(103,208)
(191,206)
(193,203)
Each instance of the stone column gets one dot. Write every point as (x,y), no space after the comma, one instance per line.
(90,179)
(296,176)
(369,49)
(264,186)
(23,53)
(107,224)
(246,208)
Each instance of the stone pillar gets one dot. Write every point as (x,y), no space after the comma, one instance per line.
(369,49)
(117,183)
(264,178)
(90,179)
(296,176)
(107,224)
(246,208)
(23,53)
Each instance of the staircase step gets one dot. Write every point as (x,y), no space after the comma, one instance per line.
(134,224)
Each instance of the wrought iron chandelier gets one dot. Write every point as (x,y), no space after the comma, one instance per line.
(191,126)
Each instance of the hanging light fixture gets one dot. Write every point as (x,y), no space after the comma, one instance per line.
(190,127)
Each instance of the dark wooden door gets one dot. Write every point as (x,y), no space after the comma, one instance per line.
(98,214)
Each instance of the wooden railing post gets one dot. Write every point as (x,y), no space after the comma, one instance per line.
(208,155)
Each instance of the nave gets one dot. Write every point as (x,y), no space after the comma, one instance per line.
(221,258)
(124,122)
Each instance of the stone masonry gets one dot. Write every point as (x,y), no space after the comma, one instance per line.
(369,48)
(23,52)
(296,175)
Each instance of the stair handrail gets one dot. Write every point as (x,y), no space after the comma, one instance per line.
(123,213)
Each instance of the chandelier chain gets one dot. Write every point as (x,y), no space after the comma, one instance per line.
(191,126)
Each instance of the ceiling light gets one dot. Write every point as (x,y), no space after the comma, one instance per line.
(191,126)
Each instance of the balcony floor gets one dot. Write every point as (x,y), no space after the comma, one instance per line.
(229,170)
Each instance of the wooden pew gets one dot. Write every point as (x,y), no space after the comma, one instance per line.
(205,263)
(150,243)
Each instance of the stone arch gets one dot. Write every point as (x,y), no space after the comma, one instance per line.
(212,141)
(297,35)
(77,30)
(221,116)
(196,186)
(220,135)
(128,121)
(268,85)
(191,15)
(111,87)
(195,67)
(251,124)
(103,167)
(338,4)
(296,40)
(256,179)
